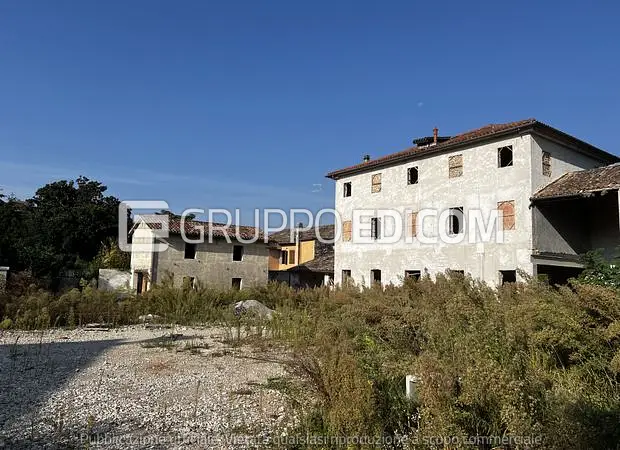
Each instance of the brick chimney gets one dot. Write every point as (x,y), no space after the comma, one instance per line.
(435,134)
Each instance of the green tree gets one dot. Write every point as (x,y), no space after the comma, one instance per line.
(62,227)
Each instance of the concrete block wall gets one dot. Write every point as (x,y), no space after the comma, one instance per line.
(213,264)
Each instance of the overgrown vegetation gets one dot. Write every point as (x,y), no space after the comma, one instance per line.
(601,271)
(58,233)
(527,362)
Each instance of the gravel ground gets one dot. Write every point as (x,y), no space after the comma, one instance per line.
(129,388)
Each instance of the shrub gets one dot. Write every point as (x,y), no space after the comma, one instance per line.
(525,360)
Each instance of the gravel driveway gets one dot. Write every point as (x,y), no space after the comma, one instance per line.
(137,388)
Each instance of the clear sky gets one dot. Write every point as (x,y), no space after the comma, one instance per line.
(248,104)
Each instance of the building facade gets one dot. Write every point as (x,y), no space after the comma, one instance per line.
(440,187)
(302,258)
(219,263)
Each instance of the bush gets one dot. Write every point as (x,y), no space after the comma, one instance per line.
(524,361)
(527,360)
(599,271)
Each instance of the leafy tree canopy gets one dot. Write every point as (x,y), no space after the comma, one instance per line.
(61,228)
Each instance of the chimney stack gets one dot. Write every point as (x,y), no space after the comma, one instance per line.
(435,134)
(366,158)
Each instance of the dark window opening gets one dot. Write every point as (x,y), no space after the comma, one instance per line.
(291,256)
(375,228)
(189,283)
(237,252)
(375,276)
(415,274)
(190,251)
(236,284)
(141,282)
(508,276)
(347,189)
(346,276)
(284,259)
(504,156)
(412,175)
(455,221)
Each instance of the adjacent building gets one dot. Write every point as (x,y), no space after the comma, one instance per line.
(302,258)
(555,197)
(226,262)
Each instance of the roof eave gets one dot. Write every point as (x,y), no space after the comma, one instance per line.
(572,196)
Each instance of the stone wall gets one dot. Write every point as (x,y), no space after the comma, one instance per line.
(213,263)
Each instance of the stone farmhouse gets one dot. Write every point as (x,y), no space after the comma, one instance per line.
(554,197)
(219,263)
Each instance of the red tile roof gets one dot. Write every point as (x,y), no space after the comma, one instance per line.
(470,137)
(288,236)
(582,182)
(218,230)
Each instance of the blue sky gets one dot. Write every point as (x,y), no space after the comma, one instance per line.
(248,104)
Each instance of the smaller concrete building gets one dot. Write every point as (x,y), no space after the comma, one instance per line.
(578,212)
(226,260)
(303,258)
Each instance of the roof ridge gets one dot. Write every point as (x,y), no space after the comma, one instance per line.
(482,132)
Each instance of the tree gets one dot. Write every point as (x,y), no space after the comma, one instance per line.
(15,226)
(61,228)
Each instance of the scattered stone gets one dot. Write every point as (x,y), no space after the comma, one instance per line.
(253,307)
(149,318)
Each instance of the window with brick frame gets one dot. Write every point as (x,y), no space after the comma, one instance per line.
(412,224)
(375,183)
(546,164)
(507,209)
(455,166)
(347,230)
